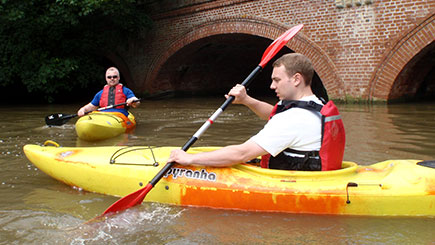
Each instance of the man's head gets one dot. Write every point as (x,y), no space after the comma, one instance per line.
(112,76)
(297,63)
(291,76)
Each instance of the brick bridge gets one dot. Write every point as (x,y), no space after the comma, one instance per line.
(361,49)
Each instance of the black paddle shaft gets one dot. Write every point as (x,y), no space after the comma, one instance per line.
(60,119)
(204,127)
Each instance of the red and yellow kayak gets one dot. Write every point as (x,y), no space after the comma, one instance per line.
(393,187)
(104,125)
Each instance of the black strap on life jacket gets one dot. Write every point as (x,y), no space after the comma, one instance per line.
(311,160)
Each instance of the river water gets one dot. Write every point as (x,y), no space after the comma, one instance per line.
(35,209)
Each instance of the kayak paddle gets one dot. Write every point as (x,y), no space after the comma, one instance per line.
(60,119)
(137,197)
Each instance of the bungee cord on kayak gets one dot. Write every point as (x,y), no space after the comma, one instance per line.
(128,149)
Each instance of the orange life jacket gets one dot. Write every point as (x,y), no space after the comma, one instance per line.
(112,96)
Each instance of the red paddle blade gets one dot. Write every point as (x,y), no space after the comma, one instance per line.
(276,46)
(129,201)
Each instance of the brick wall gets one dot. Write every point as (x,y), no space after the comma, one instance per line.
(358,47)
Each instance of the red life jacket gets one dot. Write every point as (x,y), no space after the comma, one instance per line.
(333,135)
(112,96)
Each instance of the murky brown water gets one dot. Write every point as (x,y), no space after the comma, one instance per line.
(36,209)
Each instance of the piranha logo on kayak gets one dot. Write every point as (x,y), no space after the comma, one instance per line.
(188,173)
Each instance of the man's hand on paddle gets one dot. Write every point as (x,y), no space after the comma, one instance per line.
(133,102)
(239,93)
(180,157)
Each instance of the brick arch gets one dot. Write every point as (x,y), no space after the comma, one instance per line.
(257,27)
(405,47)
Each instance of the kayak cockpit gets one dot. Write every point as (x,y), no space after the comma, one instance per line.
(348,168)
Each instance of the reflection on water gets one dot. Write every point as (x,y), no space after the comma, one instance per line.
(376,133)
(38,209)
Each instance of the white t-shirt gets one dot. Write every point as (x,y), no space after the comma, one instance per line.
(296,128)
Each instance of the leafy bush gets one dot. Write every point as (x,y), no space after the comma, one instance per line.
(52,47)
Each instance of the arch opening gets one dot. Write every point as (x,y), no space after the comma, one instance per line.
(416,81)
(213,64)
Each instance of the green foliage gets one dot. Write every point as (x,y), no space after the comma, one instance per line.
(53,46)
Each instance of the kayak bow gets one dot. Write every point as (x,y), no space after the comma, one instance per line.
(104,125)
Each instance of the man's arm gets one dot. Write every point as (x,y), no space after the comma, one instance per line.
(131,97)
(86,108)
(260,108)
(223,157)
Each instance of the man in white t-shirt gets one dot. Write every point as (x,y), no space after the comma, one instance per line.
(291,133)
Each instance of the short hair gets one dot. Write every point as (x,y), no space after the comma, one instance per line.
(114,69)
(296,63)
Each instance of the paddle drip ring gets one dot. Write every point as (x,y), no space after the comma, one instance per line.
(128,149)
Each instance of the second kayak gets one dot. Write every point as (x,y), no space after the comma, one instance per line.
(103,125)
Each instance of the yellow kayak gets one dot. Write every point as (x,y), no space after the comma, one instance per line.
(393,187)
(104,125)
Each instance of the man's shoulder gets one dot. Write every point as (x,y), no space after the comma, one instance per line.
(96,100)
(126,89)
(128,92)
(313,98)
(307,102)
